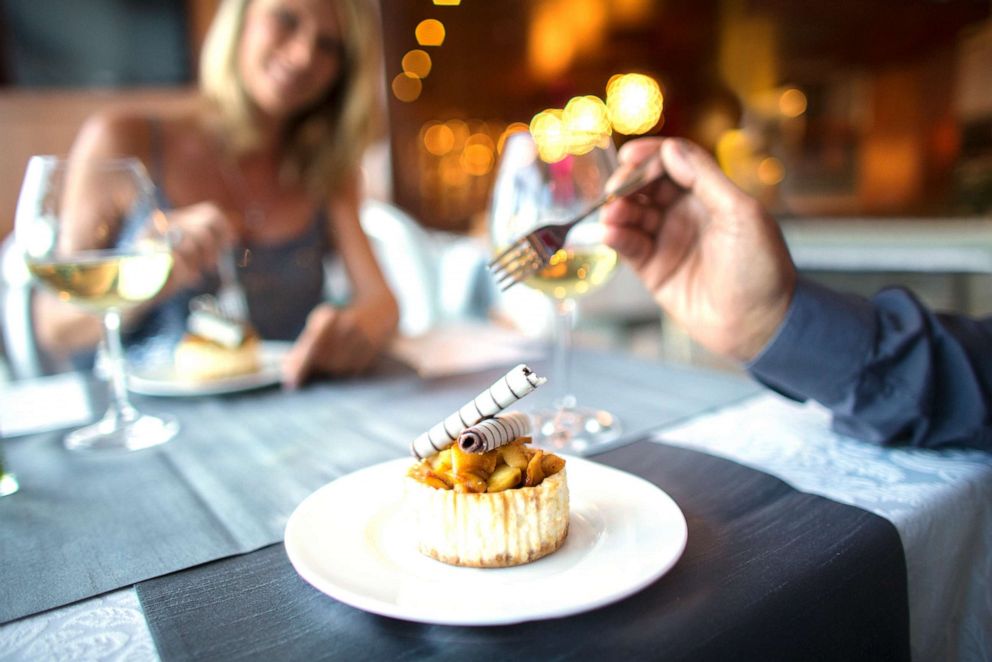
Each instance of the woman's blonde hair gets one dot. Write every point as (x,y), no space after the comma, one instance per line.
(324,144)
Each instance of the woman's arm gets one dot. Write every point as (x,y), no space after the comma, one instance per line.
(202,229)
(346,340)
(63,329)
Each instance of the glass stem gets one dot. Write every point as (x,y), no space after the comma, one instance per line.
(562,356)
(120,405)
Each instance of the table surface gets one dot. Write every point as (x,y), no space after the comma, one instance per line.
(714,412)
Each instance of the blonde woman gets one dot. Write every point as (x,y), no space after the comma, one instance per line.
(266,164)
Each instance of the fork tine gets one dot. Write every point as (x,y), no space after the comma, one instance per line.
(522,271)
(515,275)
(507,260)
(518,245)
(523,250)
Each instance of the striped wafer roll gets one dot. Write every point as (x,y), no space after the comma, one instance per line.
(512,386)
(492,433)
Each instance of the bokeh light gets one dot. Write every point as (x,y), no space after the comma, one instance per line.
(770,171)
(585,124)
(417,63)
(792,102)
(453,175)
(438,138)
(479,154)
(460,131)
(736,155)
(430,32)
(551,46)
(634,103)
(406,88)
(549,134)
(447,3)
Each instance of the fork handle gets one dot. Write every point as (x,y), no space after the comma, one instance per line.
(636,179)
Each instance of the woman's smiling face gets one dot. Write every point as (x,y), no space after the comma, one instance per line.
(290,54)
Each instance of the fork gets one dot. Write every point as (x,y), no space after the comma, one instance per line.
(231,300)
(221,317)
(532,252)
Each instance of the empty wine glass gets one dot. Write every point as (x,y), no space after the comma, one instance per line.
(91,233)
(530,191)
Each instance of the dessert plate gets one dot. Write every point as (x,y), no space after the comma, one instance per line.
(161,380)
(350,539)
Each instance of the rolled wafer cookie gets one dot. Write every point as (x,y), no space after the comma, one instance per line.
(512,386)
(491,433)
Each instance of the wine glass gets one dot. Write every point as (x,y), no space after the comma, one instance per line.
(8,481)
(530,191)
(91,233)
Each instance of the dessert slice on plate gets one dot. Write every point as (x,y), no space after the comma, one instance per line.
(216,347)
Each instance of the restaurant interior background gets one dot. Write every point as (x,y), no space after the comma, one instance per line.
(868,111)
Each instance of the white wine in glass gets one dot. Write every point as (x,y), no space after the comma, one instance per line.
(530,192)
(92,235)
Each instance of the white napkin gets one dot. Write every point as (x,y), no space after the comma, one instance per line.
(43,404)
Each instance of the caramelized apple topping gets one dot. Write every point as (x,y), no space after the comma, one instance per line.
(513,465)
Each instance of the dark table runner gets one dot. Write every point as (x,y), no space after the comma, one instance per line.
(84,524)
(769,573)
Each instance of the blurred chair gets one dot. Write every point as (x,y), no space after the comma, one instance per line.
(23,357)
(437,277)
(407,256)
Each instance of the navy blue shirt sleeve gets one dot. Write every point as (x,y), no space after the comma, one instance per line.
(890,370)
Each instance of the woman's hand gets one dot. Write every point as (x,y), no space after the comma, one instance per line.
(335,341)
(202,231)
(714,260)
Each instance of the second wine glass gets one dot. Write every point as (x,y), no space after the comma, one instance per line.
(530,191)
(91,233)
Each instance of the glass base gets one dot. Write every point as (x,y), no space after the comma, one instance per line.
(113,433)
(576,430)
(8,484)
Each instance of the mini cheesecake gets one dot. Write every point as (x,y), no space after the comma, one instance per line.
(488,529)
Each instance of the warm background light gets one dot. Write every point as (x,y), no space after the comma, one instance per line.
(406,87)
(550,46)
(479,154)
(417,63)
(634,103)
(792,102)
(585,123)
(430,32)
(736,155)
(549,134)
(824,120)
(439,139)
(770,171)
(447,3)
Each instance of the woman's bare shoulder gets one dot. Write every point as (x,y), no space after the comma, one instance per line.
(127,132)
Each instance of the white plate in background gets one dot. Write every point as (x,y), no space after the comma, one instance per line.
(161,380)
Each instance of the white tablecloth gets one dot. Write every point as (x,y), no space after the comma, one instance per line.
(939,501)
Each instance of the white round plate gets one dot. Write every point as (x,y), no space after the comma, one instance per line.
(161,380)
(350,540)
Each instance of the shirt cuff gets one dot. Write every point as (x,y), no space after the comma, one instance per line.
(821,346)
